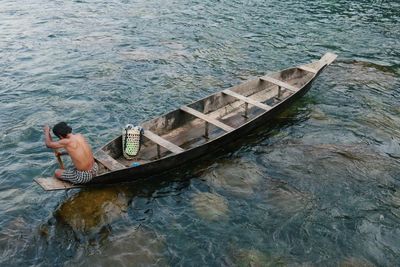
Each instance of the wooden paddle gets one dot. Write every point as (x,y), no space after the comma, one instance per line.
(59,159)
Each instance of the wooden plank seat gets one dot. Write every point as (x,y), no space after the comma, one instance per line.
(162,142)
(280,83)
(207,118)
(247,99)
(53,183)
(307,69)
(109,162)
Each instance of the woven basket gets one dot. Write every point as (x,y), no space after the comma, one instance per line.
(131,140)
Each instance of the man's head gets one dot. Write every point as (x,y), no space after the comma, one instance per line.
(61,130)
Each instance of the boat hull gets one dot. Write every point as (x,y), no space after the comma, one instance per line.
(172,162)
(297,81)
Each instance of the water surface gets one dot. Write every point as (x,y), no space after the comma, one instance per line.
(318,186)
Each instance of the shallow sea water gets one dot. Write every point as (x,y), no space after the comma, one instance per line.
(317,186)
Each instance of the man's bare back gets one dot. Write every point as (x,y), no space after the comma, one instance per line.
(75,145)
(80,152)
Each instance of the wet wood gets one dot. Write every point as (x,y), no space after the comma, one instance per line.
(162,142)
(209,119)
(247,100)
(327,59)
(246,110)
(280,83)
(52,183)
(59,159)
(304,67)
(109,162)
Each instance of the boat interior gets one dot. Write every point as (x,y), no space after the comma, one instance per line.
(209,118)
(203,121)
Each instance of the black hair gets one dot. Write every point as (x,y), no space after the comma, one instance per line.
(61,130)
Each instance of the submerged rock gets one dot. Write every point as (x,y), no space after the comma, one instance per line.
(316,152)
(210,207)
(256,258)
(15,235)
(353,152)
(92,209)
(138,247)
(319,115)
(355,262)
(239,178)
(284,198)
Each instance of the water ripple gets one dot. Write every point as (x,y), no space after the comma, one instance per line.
(316,186)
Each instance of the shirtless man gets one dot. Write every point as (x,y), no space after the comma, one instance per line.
(85,168)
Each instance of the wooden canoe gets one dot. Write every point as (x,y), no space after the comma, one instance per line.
(191,131)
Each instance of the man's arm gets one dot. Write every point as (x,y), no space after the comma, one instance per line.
(49,141)
(62,153)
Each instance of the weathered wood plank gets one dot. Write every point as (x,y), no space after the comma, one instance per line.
(163,142)
(328,58)
(207,118)
(280,83)
(247,99)
(308,69)
(109,162)
(52,183)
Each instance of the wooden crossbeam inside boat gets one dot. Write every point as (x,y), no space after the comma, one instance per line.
(247,100)
(105,159)
(163,142)
(280,83)
(307,69)
(207,118)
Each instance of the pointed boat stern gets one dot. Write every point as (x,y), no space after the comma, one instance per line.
(327,59)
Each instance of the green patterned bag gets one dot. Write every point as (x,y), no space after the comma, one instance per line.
(131,140)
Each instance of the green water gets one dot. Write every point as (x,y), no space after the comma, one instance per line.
(319,186)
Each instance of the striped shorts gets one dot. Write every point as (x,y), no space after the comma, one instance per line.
(75,176)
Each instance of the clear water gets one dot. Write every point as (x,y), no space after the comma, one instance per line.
(319,186)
